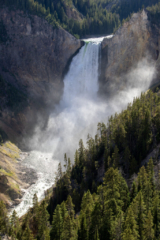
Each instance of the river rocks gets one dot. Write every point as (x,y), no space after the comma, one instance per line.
(33,59)
(134,41)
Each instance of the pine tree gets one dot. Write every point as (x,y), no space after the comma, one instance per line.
(117,226)
(26,233)
(43,219)
(127,156)
(64,212)
(35,203)
(105,230)
(141,214)
(134,190)
(115,157)
(46,235)
(76,158)
(3,218)
(57,224)
(14,225)
(70,207)
(69,229)
(156,213)
(83,232)
(130,227)
(148,227)
(96,235)
(96,218)
(142,179)
(112,182)
(81,151)
(150,171)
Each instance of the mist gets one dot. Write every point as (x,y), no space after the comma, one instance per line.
(81,108)
(76,115)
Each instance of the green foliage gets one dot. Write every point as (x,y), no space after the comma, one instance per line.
(130,227)
(94,18)
(3,218)
(154,11)
(85,207)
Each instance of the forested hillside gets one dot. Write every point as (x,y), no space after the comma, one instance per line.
(155,13)
(82,18)
(104,194)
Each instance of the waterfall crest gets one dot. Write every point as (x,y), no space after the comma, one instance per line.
(82,77)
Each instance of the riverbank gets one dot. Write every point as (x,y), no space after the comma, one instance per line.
(15,177)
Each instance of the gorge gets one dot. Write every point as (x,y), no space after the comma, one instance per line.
(77,115)
(65,86)
(79,119)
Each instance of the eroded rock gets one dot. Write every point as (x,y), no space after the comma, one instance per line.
(33,59)
(136,40)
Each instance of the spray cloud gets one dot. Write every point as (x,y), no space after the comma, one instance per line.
(77,114)
(81,109)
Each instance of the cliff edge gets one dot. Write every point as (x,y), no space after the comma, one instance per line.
(33,60)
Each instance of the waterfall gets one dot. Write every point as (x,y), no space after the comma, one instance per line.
(67,124)
(82,77)
(77,114)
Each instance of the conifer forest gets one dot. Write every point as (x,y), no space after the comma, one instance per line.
(124,204)
(111,189)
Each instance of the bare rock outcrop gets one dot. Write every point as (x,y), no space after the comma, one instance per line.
(33,59)
(135,40)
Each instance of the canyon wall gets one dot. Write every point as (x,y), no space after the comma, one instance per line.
(136,40)
(33,60)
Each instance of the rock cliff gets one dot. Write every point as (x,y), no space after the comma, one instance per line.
(134,41)
(33,59)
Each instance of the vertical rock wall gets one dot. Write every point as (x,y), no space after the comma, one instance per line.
(33,59)
(134,41)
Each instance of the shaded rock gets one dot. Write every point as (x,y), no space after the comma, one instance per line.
(17,201)
(33,59)
(3,179)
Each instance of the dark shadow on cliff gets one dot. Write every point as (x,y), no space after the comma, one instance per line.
(70,60)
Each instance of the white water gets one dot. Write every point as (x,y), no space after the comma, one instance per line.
(77,114)
(82,79)
(45,167)
(79,108)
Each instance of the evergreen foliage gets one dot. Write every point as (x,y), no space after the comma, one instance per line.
(95,16)
(82,206)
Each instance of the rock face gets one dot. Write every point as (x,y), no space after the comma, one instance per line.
(135,40)
(33,59)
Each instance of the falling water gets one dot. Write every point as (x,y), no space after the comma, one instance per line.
(77,114)
(82,78)
(67,124)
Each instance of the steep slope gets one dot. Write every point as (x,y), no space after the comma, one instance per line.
(33,59)
(125,202)
(135,41)
(13,175)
